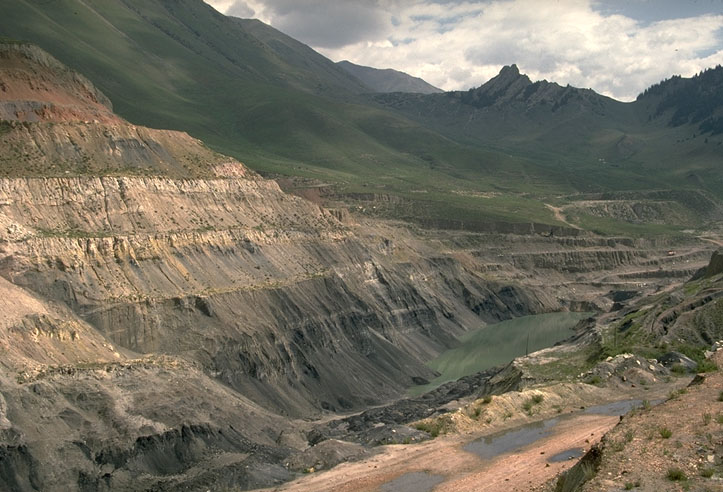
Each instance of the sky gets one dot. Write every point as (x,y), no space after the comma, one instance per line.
(616,47)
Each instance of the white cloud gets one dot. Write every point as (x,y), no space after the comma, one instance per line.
(458,44)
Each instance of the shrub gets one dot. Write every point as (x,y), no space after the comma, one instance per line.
(706,472)
(531,402)
(487,399)
(432,428)
(676,475)
(595,379)
(720,396)
(678,369)
(616,446)
(665,433)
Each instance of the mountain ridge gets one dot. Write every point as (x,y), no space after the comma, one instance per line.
(388,80)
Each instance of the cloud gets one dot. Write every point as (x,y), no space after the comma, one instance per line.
(326,24)
(239,8)
(458,44)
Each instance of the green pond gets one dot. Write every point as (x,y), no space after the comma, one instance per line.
(498,344)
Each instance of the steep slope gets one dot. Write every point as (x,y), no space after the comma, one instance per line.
(237,84)
(160,324)
(388,80)
(696,100)
(55,122)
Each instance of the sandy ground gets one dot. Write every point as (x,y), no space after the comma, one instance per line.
(520,470)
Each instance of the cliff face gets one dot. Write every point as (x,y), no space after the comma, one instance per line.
(268,292)
(160,324)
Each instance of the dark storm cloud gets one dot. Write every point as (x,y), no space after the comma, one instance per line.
(327,24)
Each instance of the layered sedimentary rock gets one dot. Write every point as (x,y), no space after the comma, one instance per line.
(167,305)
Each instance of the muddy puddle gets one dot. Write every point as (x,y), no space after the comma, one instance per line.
(413,482)
(489,447)
(619,407)
(569,454)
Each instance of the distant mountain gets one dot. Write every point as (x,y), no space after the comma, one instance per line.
(388,80)
(512,90)
(652,142)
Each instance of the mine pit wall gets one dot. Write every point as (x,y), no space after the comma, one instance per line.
(269,293)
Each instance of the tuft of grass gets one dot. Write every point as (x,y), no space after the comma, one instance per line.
(432,428)
(665,433)
(707,418)
(676,475)
(487,400)
(720,396)
(676,393)
(707,365)
(719,418)
(707,472)
(530,403)
(632,485)
(617,446)
(594,379)
(646,404)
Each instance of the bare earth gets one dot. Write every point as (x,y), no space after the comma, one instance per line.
(463,471)
(524,469)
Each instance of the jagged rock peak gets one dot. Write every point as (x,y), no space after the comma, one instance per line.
(509,74)
(510,69)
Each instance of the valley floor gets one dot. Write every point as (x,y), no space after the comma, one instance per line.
(444,464)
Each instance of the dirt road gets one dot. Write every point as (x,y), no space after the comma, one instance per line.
(445,460)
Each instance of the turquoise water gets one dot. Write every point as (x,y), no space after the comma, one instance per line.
(498,344)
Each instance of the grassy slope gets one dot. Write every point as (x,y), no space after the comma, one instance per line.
(254,93)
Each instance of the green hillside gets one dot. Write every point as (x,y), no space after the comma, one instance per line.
(252,92)
(652,143)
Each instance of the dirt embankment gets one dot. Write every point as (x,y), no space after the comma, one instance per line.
(532,452)
(677,445)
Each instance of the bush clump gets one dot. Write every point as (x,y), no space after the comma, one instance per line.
(676,475)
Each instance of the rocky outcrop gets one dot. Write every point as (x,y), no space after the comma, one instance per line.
(715,267)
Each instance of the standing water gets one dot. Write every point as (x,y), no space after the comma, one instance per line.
(498,344)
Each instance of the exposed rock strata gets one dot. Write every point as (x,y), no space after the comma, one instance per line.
(157,326)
